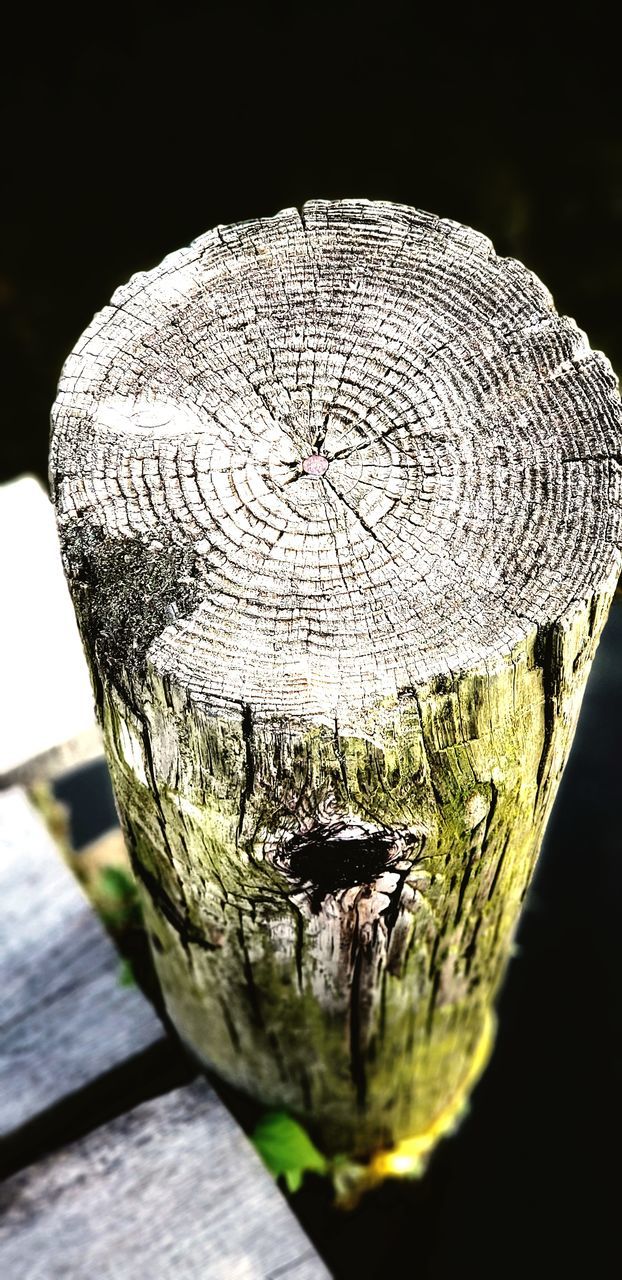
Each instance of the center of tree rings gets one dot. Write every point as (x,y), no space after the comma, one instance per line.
(315,465)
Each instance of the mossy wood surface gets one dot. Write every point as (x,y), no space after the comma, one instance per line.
(339,500)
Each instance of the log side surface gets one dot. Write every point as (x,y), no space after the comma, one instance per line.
(171,1188)
(338,494)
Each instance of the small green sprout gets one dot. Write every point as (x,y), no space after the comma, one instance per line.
(126,976)
(116,898)
(287,1150)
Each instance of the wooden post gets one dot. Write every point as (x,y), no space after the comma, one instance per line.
(338,494)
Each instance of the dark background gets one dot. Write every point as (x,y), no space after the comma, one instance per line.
(128,132)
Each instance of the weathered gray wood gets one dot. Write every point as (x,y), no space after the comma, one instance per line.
(171,1189)
(65,1019)
(339,501)
(46,704)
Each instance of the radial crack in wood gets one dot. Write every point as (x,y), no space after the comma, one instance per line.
(338,494)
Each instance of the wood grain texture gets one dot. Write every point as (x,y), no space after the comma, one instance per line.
(172,1188)
(338,494)
(64,1017)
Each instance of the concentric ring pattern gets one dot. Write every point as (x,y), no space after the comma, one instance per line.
(385,454)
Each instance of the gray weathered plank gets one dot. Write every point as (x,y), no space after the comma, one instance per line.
(64,1017)
(172,1188)
(48,721)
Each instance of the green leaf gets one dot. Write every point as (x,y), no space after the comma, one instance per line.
(287,1150)
(126,976)
(117,884)
(115,897)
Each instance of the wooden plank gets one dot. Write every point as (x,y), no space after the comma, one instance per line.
(170,1189)
(65,1019)
(48,720)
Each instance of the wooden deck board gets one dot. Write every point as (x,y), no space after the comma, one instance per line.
(172,1188)
(48,720)
(64,1016)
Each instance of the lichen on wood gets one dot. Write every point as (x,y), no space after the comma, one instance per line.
(338,494)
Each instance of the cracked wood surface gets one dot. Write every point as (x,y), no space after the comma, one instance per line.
(338,495)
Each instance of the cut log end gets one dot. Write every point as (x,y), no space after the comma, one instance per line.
(361,448)
(339,500)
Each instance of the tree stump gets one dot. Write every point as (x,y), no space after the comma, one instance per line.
(338,494)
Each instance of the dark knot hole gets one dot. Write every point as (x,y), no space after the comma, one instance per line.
(339,855)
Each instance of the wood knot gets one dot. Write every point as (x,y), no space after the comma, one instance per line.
(343,854)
